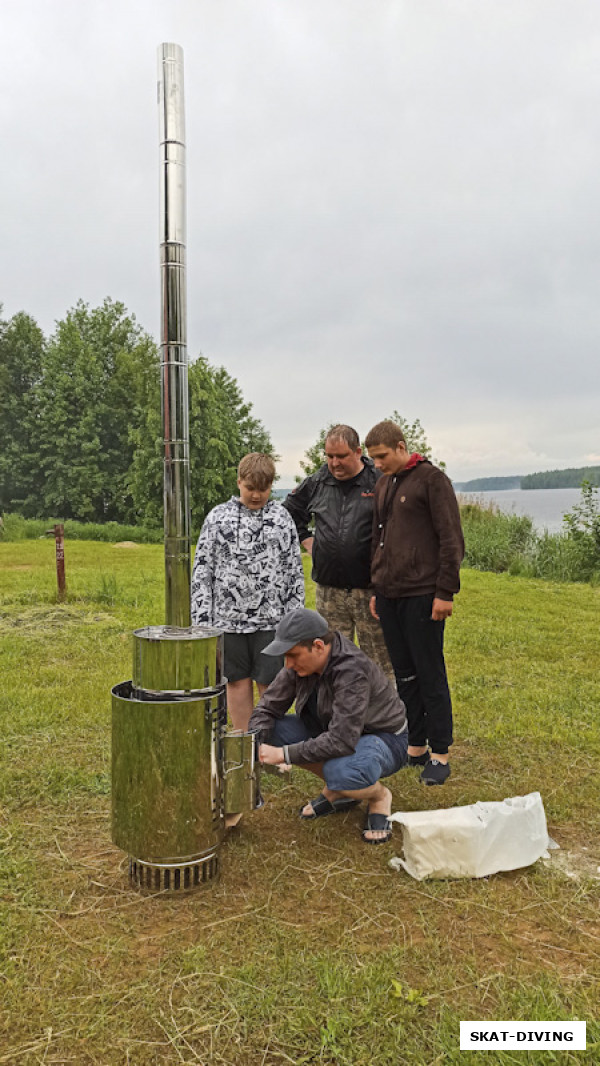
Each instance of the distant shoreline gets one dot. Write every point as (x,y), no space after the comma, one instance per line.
(571,478)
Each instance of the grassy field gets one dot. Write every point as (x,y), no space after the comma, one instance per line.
(310,949)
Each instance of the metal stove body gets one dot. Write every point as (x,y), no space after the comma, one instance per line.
(176,772)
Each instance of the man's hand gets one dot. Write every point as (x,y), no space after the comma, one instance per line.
(441,610)
(270,755)
(373,608)
(307,544)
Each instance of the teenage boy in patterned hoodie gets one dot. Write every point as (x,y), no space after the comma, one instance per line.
(247,574)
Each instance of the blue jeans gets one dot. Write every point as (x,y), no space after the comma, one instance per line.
(372,759)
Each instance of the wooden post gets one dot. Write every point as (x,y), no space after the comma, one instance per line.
(58,531)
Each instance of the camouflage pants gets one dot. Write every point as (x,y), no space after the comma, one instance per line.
(348,611)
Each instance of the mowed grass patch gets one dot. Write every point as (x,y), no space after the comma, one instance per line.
(127,575)
(522,660)
(309,949)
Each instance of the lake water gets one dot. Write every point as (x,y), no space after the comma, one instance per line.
(545,507)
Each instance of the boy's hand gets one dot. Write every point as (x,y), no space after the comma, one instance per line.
(441,610)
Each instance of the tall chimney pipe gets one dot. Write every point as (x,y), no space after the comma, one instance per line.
(174,359)
(176,772)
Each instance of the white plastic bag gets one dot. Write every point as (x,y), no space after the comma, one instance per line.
(473,841)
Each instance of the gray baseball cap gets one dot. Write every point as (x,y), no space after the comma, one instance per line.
(298,625)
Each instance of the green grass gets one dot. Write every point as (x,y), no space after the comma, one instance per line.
(309,949)
(17,528)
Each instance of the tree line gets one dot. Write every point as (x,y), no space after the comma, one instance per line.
(571,478)
(488,484)
(80,421)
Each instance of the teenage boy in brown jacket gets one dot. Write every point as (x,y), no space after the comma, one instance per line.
(417,550)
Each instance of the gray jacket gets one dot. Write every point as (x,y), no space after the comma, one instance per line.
(353,697)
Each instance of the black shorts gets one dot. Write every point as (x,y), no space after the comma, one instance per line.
(243,657)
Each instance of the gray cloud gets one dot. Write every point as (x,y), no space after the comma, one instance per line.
(390,205)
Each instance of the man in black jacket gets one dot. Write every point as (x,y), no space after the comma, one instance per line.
(339,498)
(349,725)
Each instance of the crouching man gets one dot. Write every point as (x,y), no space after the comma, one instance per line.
(349,727)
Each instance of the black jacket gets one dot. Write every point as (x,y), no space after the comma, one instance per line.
(353,698)
(343,514)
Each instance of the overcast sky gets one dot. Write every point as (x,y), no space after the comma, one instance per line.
(391,204)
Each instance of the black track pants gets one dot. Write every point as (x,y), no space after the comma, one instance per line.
(416,647)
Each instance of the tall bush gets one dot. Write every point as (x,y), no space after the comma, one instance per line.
(498,541)
(495,540)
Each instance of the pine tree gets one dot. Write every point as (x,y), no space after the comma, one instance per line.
(21,358)
(88,405)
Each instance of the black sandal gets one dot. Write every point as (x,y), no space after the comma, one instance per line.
(376,823)
(322,806)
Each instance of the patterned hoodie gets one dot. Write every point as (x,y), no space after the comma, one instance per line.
(247,570)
